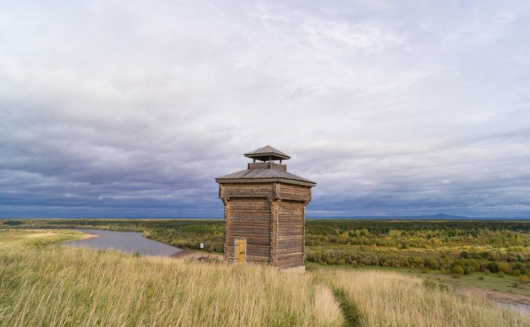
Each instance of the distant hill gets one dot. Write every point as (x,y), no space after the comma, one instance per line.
(443,216)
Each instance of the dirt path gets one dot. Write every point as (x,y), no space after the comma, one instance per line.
(497,296)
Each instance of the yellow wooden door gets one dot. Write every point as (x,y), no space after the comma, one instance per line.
(241,251)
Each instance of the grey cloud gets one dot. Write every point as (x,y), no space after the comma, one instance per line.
(131,110)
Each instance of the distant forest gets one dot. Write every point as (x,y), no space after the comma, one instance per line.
(450,246)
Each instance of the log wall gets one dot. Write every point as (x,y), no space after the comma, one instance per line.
(270,216)
(249,218)
(229,191)
(290,242)
(293,192)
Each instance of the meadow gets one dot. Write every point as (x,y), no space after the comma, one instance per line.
(450,246)
(47,284)
(488,254)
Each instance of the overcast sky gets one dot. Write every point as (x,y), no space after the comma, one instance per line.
(395,108)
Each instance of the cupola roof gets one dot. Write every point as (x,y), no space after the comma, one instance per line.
(267,153)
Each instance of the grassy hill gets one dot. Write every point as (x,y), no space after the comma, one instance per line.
(46,284)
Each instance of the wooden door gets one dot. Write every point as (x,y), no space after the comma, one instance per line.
(241,251)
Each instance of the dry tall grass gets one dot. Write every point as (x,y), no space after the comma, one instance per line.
(52,285)
(64,286)
(393,299)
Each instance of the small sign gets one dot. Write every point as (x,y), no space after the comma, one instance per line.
(201,245)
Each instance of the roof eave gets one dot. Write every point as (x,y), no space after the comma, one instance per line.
(273,156)
(264,180)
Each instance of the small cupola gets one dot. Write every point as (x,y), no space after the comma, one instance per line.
(267,155)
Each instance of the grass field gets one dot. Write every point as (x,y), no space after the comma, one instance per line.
(490,255)
(505,284)
(46,284)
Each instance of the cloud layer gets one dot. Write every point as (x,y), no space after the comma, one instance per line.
(130,109)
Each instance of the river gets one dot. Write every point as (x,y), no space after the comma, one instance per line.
(124,241)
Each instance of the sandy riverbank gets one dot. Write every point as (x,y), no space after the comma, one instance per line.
(87,236)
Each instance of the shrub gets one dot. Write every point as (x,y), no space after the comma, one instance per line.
(458,270)
(485,254)
(493,267)
(504,267)
(475,264)
(523,279)
(431,263)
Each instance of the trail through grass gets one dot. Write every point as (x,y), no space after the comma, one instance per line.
(349,309)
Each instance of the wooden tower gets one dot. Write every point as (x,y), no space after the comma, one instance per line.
(265,211)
